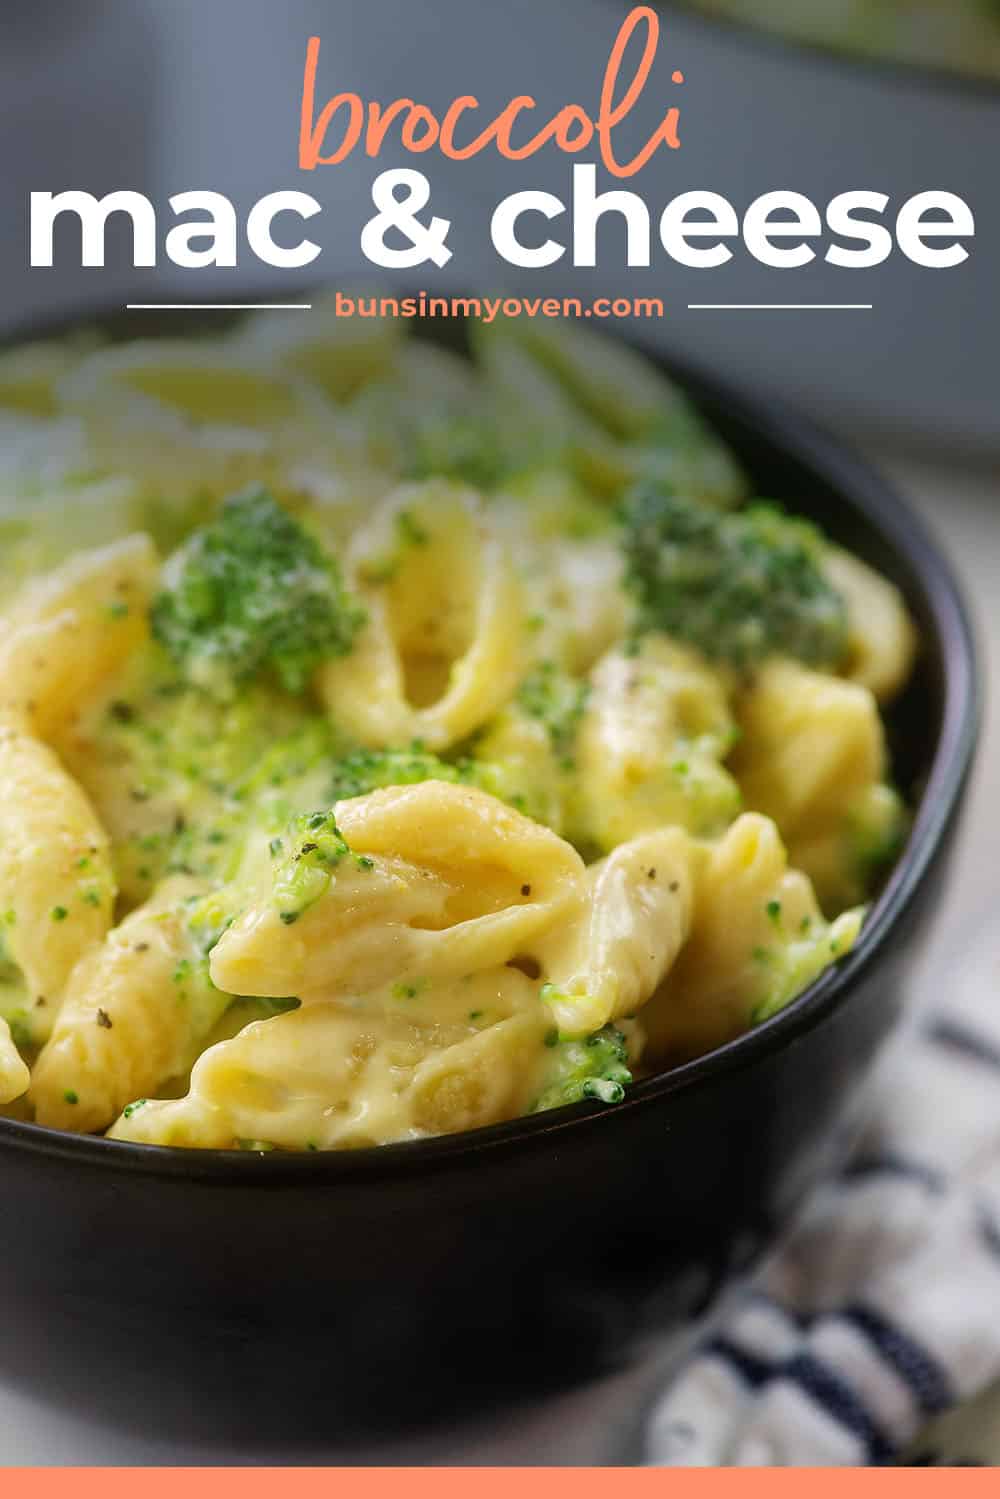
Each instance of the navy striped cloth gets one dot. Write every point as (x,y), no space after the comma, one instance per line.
(882,1307)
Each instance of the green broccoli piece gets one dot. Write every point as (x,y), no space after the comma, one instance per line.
(459,447)
(792,961)
(252,591)
(371,770)
(877,828)
(738,587)
(292,773)
(596,1068)
(309,858)
(300,866)
(557,701)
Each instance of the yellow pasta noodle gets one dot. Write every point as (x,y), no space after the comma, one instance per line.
(14,1074)
(650,747)
(444,881)
(520,751)
(191,422)
(66,634)
(56,883)
(324,1077)
(633,920)
(882,640)
(376,725)
(566,551)
(812,756)
(338,354)
(46,519)
(443,647)
(136,1006)
(30,374)
(757,939)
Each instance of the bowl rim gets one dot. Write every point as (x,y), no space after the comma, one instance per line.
(978,86)
(843,471)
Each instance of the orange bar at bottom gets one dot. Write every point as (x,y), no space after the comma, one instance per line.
(489,1483)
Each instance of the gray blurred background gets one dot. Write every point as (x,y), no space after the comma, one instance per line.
(205,94)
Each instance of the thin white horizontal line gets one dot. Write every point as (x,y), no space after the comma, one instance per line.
(781,307)
(218,306)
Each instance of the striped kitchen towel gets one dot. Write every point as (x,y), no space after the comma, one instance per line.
(882,1307)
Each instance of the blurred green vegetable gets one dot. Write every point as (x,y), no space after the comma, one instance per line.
(737,587)
(252,592)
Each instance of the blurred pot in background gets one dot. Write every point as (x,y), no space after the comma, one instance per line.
(755,117)
(763,115)
(960,36)
(921,366)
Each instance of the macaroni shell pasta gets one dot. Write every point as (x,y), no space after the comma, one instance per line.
(650,746)
(56,884)
(881,637)
(324,1078)
(376,727)
(813,758)
(443,648)
(337,354)
(523,748)
(757,939)
(14,1074)
(29,377)
(191,422)
(565,550)
(634,918)
(65,635)
(458,883)
(134,1011)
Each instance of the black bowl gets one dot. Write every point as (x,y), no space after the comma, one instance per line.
(279,1295)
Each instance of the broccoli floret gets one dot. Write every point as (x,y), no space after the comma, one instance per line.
(263,828)
(210,917)
(299,861)
(291,773)
(309,858)
(250,592)
(738,587)
(878,825)
(790,962)
(456,447)
(557,701)
(596,1068)
(371,770)
(512,783)
(206,770)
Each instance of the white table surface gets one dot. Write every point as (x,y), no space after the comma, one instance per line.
(591,1425)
